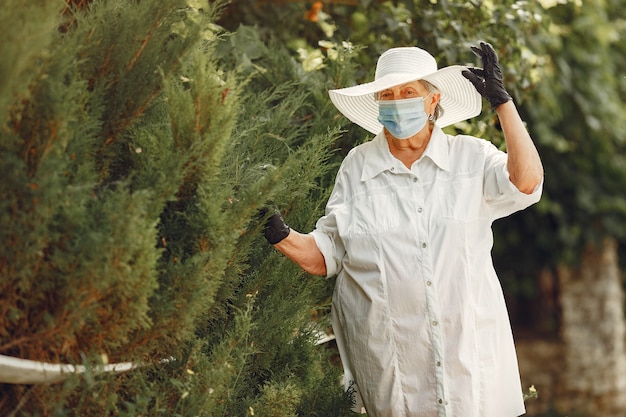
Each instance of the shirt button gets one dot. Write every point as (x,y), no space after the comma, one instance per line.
(429,283)
(424,245)
(435,322)
(440,401)
(438,363)
(393,169)
(414,179)
(419,210)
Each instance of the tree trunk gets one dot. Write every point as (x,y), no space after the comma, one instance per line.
(593,331)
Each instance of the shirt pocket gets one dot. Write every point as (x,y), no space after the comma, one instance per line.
(460,198)
(373,213)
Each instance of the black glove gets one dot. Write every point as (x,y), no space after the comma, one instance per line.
(275,228)
(488,80)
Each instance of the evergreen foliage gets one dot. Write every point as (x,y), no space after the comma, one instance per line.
(135,164)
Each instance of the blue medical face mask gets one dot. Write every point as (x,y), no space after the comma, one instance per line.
(402,118)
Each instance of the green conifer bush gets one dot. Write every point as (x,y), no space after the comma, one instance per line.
(138,143)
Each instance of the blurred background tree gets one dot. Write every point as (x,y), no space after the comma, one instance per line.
(576,114)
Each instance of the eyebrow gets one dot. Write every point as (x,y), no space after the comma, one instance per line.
(403,88)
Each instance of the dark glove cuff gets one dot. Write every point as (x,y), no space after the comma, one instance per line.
(500,98)
(275,229)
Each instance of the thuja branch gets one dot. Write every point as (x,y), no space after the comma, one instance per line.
(143,45)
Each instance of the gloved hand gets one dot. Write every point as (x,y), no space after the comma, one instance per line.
(488,80)
(275,228)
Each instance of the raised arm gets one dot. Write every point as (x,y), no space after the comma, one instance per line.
(523,162)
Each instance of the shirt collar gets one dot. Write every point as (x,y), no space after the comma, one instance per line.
(379,157)
(438,149)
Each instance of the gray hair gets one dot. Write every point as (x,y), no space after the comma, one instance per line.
(438,109)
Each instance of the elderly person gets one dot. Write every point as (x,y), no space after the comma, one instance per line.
(418,311)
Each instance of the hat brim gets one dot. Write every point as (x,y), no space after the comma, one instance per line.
(459,99)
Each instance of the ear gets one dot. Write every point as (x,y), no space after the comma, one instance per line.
(434,99)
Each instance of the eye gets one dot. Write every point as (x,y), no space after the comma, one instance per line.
(385,95)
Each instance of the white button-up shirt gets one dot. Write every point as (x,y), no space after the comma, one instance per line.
(418,311)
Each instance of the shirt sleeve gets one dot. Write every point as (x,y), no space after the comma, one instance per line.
(326,233)
(502,196)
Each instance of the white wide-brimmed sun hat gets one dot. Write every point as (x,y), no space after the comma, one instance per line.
(459,99)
